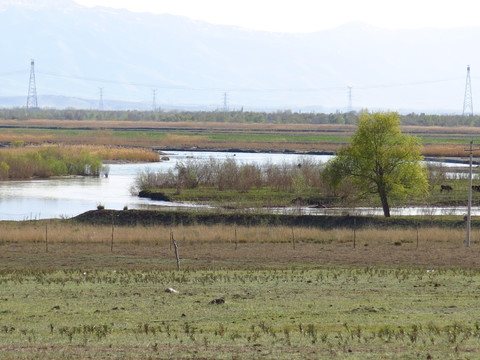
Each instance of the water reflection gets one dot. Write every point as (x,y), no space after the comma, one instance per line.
(65,198)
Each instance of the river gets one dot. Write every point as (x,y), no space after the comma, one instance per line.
(68,197)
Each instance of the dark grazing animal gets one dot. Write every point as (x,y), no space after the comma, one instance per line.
(445,188)
(476,187)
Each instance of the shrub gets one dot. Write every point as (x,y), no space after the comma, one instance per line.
(4,169)
(17,143)
(230,175)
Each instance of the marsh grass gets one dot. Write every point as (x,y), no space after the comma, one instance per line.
(20,162)
(104,152)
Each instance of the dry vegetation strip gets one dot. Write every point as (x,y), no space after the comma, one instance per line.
(447,141)
(237,247)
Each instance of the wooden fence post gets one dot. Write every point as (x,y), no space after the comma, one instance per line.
(417,236)
(293,238)
(111,245)
(354,232)
(175,244)
(236,243)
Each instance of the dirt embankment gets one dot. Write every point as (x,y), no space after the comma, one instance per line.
(172,218)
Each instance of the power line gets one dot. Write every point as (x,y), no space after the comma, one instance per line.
(413,83)
(239,89)
(13,73)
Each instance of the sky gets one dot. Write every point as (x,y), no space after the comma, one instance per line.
(301,16)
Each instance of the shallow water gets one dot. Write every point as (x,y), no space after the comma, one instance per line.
(68,197)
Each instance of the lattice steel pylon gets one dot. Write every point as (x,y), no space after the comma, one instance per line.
(467,101)
(225,101)
(154,100)
(350,106)
(32,102)
(100,102)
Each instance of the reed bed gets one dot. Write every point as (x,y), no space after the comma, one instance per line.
(106,153)
(8,136)
(452,150)
(173,125)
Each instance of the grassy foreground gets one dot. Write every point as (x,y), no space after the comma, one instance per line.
(347,313)
(391,297)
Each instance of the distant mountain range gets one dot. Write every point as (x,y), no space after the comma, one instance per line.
(138,60)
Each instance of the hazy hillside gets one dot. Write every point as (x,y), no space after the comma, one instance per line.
(78,50)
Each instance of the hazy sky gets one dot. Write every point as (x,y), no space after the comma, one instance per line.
(311,15)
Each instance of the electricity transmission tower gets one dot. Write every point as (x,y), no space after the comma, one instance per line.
(467,101)
(32,102)
(100,103)
(350,107)
(154,102)
(225,101)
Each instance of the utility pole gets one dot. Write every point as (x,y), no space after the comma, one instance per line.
(32,102)
(467,100)
(469,206)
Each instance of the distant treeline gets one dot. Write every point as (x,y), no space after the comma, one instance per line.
(279,117)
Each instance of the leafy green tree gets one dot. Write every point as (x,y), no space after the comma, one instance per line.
(380,160)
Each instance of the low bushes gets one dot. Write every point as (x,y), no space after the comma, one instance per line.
(232,175)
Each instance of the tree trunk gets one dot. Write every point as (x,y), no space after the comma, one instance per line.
(385,206)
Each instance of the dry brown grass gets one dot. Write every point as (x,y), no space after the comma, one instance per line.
(70,245)
(117,124)
(65,232)
(7,136)
(108,153)
(202,246)
(455,150)
(202,142)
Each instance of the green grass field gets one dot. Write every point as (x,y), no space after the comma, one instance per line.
(347,313)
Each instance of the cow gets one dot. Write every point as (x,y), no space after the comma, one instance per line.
(445,188)
(476,187)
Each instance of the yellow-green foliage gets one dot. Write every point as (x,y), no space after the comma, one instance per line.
(46,161)
(4,170)
(59,160)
